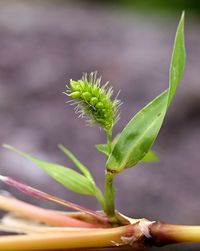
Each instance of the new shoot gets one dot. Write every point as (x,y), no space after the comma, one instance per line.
(95,101)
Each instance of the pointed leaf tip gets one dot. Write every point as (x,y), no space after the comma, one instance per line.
(178,59)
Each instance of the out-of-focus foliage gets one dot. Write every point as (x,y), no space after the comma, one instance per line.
(157,4)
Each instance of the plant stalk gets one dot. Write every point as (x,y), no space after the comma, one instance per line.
(109,191)
(111,237)
(163,234)
(109,140)
(49,217)
(110,197)
(140,235)
(42,195)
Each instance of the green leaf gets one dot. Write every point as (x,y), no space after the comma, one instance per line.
(177,60)
(80,166)
(103,148)
(65,176)
(137,137)
(97,192)
(151,156)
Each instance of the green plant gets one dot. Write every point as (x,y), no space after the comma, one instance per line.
(132,145)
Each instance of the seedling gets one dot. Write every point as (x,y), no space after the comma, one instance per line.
(94,101)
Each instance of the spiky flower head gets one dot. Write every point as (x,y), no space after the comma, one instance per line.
(93,100)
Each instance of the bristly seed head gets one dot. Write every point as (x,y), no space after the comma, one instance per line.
(94,101)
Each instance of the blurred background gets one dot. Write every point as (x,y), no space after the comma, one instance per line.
(45,43)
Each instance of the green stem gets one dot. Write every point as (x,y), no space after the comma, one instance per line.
(110,197)
(109,140)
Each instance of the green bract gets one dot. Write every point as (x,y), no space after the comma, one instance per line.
(94,101)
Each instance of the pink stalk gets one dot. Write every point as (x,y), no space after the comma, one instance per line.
(42,195)
(40,214)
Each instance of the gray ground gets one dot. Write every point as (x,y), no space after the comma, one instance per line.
(44,45)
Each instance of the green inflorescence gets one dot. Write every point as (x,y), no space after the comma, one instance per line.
(94,101)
